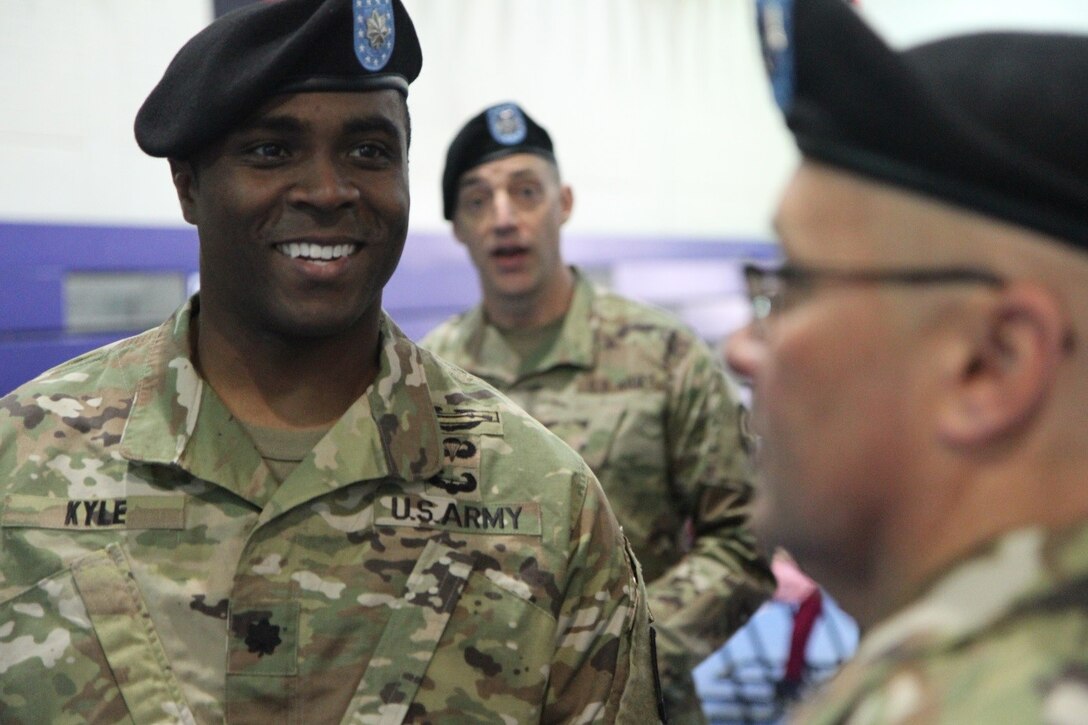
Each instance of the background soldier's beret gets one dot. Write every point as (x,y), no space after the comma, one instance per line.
(226,71)
(497,131)
(993,122)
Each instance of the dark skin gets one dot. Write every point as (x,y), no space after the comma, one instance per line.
(302,214)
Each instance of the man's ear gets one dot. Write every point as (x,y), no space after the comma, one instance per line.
(1007,368)
(184,183)
(566,202)
(456,229)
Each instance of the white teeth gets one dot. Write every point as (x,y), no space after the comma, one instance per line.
(294,250)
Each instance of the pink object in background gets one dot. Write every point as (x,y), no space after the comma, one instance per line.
(794,586)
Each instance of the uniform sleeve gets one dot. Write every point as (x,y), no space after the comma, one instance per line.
(710,593)
(603,670)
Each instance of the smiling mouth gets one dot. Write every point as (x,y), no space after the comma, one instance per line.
(317,252)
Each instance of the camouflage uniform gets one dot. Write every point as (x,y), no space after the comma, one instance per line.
(1002,638)
(417,566)
(648,407)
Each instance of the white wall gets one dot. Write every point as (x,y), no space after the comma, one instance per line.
(72,75)
(659,109)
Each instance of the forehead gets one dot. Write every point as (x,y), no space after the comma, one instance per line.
(333,108)
(508,168)
(827,213)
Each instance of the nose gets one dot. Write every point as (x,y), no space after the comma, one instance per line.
(323,186)
(503,218)
(744,351)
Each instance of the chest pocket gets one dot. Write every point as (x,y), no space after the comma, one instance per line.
(613,432)
(79,646)
(459,639)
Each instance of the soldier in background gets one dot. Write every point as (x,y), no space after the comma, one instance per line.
(274,507)
(639,396)
(919,364)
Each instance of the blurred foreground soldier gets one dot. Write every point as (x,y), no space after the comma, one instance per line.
(638,395)
(919,364)
(274,508)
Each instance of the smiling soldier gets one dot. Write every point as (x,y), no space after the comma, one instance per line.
(274,507)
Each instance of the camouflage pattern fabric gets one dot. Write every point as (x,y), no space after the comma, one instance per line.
(1002,638)
(438,557)
(649,408)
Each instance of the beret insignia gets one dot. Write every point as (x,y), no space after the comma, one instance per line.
(775,20)
(507,124)
(375,33)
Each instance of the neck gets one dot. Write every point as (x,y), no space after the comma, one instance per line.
(275,382)
(958,517)
(530,311)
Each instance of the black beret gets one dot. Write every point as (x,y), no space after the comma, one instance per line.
(498,131)
(226,71)
(992,122)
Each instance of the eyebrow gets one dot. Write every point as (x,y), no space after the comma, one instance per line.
(355,126)
(372,124)
(526,173)
(471,179)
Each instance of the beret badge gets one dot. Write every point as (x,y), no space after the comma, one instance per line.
(375,33)
(507,124)
(775,20)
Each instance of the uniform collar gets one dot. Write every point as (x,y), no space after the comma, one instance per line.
(574,347)
(177,419)
(1001,579)
(1028,570)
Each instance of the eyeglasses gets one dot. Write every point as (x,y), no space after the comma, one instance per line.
(768,288)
